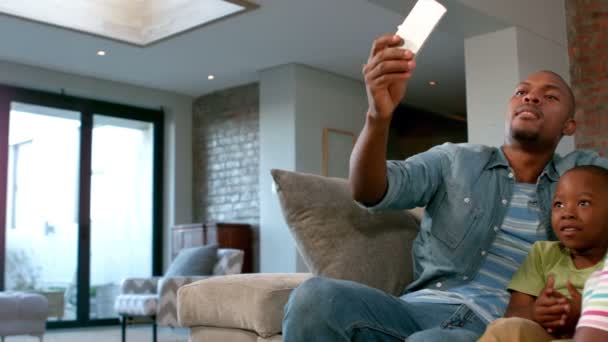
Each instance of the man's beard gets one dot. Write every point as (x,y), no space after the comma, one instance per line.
(524,136)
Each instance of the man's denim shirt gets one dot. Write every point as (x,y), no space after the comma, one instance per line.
(466,190)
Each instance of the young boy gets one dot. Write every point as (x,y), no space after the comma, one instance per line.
(593,324)
(545,300)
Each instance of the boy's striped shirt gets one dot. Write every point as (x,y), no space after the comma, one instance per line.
(595,301)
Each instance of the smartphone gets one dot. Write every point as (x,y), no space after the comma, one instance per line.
(419,24)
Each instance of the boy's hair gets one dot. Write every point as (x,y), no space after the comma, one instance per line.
(596,170)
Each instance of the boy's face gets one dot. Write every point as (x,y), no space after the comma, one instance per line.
(580,214)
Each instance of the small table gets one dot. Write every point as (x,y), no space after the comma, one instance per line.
(56,301)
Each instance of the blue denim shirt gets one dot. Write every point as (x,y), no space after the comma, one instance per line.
(466,190)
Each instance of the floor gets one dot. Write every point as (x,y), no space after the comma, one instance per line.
(140,333)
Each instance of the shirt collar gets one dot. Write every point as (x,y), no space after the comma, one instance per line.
(551,170)
(498,159)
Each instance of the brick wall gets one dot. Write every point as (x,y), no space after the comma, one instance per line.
(226,154)
(588,49)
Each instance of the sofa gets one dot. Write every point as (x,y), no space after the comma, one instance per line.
(336,237)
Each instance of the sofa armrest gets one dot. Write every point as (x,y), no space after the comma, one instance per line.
(167,298)
(244,301)
(139,285)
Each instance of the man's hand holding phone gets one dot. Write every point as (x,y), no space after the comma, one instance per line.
(392,61)
(386,73)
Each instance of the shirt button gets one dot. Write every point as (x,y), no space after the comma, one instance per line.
(504,201)
(465,278)
(467,200)
(439,284)
(510,174)
(495,228)
(483,252)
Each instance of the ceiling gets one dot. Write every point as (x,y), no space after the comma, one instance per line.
(135,22)
(333,35)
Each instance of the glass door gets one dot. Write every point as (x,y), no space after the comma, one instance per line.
(80,201)
(42,205)
(121,207)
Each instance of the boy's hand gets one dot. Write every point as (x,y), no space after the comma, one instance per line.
(549,309)
(572,307)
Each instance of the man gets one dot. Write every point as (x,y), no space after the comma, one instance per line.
(484,208)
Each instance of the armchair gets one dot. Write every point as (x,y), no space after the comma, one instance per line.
(156,297)
(335,236)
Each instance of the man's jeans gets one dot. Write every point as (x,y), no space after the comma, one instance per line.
(323,309)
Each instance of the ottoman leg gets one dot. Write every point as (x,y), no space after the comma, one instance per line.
(153,328)
(123,327)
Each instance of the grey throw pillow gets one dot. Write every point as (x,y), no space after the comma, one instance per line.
(193,261)
(337,238)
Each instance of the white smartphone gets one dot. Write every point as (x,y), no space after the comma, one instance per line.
(419,24)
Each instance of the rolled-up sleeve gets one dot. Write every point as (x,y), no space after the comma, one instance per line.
(414,181)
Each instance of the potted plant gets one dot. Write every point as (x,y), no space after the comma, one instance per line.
(22,274)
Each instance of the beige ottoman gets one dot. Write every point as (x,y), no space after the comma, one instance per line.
(22,313)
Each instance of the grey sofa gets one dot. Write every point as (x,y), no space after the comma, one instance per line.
(336,237)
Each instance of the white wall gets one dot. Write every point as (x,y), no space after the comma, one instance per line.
(296,103)
(547,18)
(491,75)
(177,201)
(495,63)
(277,150)
(324,100)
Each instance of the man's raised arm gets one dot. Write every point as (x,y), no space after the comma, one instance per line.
(386,74)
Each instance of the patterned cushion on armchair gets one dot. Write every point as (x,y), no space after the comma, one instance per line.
(230,261)
(138,297)
(157,296)
(136,304)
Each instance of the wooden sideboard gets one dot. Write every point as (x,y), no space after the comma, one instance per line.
(226,235)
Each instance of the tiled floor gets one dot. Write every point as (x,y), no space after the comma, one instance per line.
(140,333)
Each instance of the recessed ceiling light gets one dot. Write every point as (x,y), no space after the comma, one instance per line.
(432,83)
(210,77)
(101,53)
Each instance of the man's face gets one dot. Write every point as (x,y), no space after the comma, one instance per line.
(539,110)
(579,216)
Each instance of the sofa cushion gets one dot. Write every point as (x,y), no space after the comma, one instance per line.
(338,238)
(193,261)
(207,334)
(244,301)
